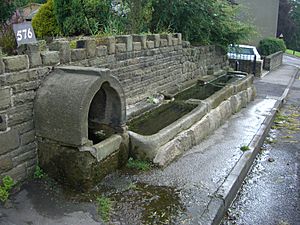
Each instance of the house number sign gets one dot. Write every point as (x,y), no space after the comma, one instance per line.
(24,33)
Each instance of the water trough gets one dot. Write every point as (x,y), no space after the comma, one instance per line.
(164,133)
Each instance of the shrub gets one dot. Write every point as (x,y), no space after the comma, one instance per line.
(8,40)
(77,17)
(270,45)
(44,22)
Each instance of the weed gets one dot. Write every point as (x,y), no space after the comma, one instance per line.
(38,173)
(7,184)
(104,207)
(73,44)
(245,148)
(138,164)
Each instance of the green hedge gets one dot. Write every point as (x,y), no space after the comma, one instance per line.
(269,46)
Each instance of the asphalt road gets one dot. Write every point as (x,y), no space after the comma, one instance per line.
(270,194)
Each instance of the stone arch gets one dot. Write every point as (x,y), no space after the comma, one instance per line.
(70,97)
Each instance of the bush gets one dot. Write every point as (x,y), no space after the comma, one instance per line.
(8,41)
(44,22)
(269,46)
(77,17)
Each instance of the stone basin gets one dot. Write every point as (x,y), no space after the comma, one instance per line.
(189,130)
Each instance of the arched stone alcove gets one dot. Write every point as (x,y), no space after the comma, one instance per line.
(73,101)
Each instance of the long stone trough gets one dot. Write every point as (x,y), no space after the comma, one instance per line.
(170,142)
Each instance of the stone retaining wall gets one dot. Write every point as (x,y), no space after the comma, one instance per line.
(271,62)
(144,64)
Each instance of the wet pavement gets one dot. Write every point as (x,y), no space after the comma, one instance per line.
(177,194)
(271,192)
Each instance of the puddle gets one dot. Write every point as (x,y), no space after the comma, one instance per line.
(147,204)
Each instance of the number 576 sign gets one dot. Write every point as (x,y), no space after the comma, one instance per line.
(24,33)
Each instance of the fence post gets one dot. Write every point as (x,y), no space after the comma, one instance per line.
(254,65)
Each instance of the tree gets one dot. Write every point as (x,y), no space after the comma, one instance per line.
(289,22)
(7,8)
(201,22)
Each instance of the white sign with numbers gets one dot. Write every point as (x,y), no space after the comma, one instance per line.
(24,33)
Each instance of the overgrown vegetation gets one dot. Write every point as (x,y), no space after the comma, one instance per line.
(270,45)
(138,164)
(7,185)
(104,207)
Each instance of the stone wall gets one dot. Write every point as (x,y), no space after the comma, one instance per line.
(271,62)
(247,66)
(144,64)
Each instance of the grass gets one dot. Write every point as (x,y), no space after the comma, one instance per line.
(245,148)
(104,208)
(291,52)
(138,164)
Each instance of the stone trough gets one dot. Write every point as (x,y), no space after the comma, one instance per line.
(209,113)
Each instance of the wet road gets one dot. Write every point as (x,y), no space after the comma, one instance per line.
(270,194)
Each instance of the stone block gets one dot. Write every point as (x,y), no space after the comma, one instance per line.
(27,137)
(78,54)
(25,157)
(120,47)
(175,41)
(127,39)
(50,58)
(137,46)
(64,50)
(25,127)
(5,100)
(142,39)
(101,50)
(150,44)
(18,173)
(33,52)
(163,42)
(21,98)
(89,45)
(3,122)
(20,114)
(179,37)
(5,163)
(27,86)
(155,38)
(111,45)
(110,42)
(16,63)
(22,76)
(2,66)
(9,140)
(168,37)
